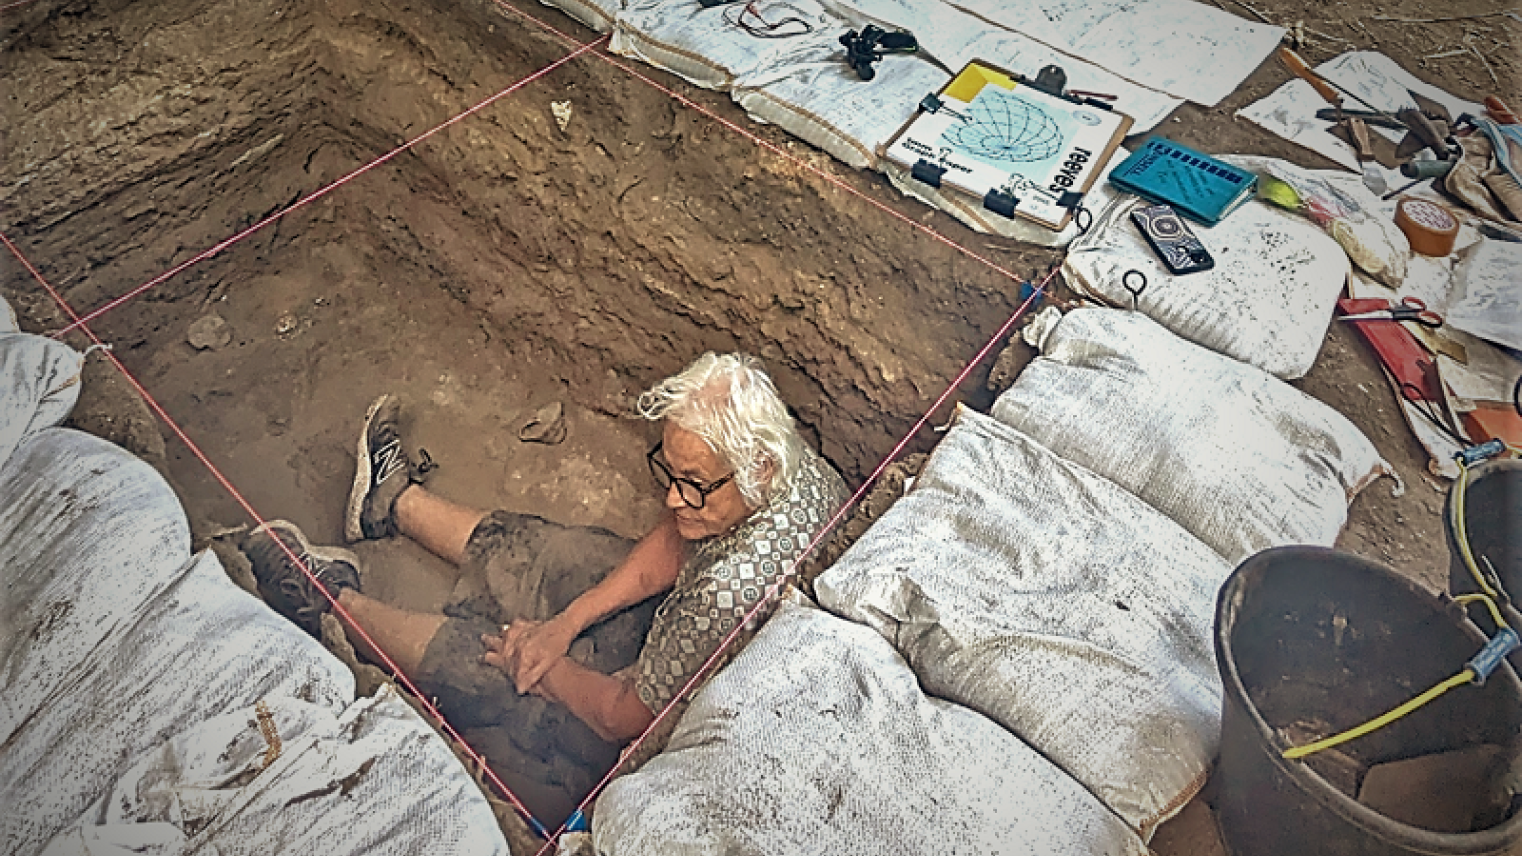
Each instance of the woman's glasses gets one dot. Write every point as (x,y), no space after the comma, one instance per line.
(693,493)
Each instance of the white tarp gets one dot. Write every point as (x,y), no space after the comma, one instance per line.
(817,739)
(1237,457)
(1047,598)
(125,661)
(1267,301)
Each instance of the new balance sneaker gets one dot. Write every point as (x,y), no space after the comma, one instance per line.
(382,471)
(285,585)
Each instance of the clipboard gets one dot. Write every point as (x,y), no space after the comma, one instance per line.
(1023,150)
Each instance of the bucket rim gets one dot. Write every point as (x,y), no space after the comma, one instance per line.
(1485,842)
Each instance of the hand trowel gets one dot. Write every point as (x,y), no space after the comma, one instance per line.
(1373,178)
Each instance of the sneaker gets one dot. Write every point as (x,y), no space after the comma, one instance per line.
(382,471)
(289,589)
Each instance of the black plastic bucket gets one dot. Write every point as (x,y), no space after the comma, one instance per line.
(1493,522)
(1318,641)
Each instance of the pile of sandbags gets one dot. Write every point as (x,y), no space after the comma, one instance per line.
(818,739)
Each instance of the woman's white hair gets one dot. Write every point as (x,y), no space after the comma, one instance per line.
(730,402)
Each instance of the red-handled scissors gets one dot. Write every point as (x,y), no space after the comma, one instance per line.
(1409,309)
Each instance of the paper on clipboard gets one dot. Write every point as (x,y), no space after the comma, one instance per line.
(992,133)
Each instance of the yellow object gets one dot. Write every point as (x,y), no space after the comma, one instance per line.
(1460,679)
(1495,611)
(1488,597)
(1279,193)
(972,80)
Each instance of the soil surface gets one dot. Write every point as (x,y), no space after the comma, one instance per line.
(510,261)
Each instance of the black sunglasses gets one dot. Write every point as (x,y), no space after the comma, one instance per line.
(691,492)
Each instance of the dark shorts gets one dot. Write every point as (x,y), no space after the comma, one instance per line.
(536,568)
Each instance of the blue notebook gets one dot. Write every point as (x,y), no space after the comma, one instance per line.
(1197,185)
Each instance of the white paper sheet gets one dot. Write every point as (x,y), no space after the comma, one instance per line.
(1487,295)
(1489,374)
(1186,49)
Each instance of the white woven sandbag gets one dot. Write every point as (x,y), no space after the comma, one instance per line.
(1029,589)
(1239,458)
(374,780)
(701,46)
(596,14)
(39,383)
(88,534)
(1267,301)
(817,739)
(117,637)
(823,102)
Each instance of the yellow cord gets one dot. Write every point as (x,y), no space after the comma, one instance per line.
(1495,611)
(1460,679)
(1461,532)
(1489,598)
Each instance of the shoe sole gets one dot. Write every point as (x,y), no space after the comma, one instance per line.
(275,528)
(354,511)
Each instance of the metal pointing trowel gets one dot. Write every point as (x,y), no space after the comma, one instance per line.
(1373,178)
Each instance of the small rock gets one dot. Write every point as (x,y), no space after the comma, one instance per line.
(546,426)
(286,324)
(562,113)
(209,332)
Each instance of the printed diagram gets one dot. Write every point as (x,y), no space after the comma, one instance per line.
(1004,128)
(988,132)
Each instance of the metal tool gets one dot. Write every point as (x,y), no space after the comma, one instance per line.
(1328,114)
(1409,309)
(1372,177)
(1324,86)
(1419,171)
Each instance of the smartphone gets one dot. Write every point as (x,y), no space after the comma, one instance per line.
(1172,240)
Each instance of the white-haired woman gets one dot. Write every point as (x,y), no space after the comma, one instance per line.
(744,496)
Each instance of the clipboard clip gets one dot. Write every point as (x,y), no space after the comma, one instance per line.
(1052,80)
(927,172)
(932,103)
(1001,202)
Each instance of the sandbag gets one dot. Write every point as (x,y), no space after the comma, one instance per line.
(1240,459)
(117,637)
(823,102)
(1047,598)
(703,47)
(88,536)
(817,739)
(39,384)
(599,15)
(371,780)
(1267,302)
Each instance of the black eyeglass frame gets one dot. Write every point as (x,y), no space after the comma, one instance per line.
(665,478)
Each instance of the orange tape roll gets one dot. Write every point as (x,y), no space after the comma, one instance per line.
(1429,227)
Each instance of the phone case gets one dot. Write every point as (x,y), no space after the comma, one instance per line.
(1172,239)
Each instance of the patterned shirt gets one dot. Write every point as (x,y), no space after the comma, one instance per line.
(726,575)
